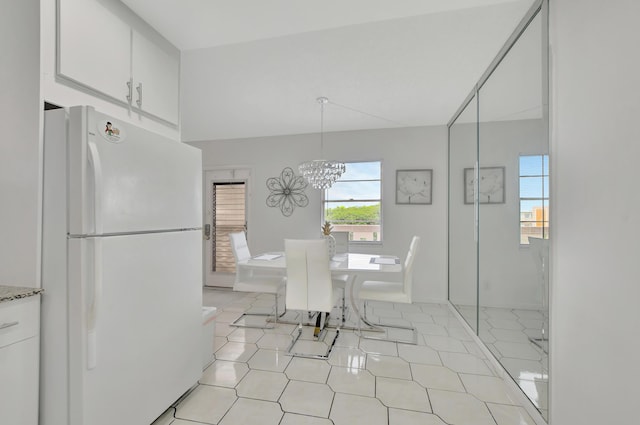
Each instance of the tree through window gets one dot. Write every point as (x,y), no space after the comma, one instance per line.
(352,204)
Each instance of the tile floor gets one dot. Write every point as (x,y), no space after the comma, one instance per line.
(507,333)
(445,379)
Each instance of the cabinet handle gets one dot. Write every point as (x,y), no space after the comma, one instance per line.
(139,101)
(130,88)
(8,325)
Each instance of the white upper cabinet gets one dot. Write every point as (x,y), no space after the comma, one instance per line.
(156,76)
(94,47)
(101,51)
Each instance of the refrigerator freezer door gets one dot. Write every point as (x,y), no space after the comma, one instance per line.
(136,182)
(134,325)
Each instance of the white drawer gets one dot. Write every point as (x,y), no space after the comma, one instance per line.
(19,319)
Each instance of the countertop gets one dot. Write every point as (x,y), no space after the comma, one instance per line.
(8,293)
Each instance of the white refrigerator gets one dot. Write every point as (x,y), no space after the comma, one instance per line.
(122,271)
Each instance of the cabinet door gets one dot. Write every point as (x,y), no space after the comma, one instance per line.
(94,47)
(19,383)
(159,73)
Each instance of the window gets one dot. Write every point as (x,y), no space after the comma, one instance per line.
(352,204)
(534,197)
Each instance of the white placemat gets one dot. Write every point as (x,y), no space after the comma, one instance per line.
(267,257)
(384,260)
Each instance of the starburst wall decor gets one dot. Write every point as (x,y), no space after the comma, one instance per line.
(287,192)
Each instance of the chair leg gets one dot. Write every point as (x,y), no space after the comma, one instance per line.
(351,283)
(378,327)
(541,343)
(344,306)
(296,338)
(321,336)
(322,324)
(275,316)
(268,323)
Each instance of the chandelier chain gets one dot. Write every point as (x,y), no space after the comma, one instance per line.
(322,102)
(321,173)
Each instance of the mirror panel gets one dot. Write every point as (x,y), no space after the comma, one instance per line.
(498,237)
(513,137)
(463,250)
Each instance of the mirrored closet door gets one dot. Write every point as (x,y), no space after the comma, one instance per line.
(463,229)
(499,208)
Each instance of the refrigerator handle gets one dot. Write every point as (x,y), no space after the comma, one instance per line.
(94,308)
(94,160)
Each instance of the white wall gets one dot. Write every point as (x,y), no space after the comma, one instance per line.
(20,175)
(406,148)
(594,253)
(62,94)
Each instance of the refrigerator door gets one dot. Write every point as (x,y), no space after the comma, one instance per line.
(125,179)
(135,313)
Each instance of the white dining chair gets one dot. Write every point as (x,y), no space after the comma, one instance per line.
(540,253)
(266,284)
(309,286)
(394,292)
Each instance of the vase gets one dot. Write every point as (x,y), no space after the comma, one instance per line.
(331,245)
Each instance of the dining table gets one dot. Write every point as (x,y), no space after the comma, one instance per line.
(349,263)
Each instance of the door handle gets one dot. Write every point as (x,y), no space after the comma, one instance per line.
(207,232)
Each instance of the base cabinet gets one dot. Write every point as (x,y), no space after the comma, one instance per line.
(19,361)
(19,377)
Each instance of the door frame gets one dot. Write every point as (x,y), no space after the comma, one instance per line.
(221,175)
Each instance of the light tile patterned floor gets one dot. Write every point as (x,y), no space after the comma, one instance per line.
(508,334)
(443,380)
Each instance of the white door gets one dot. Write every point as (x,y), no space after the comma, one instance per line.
(138,182)
(225,212)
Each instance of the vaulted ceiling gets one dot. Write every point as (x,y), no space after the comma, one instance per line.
(255,68)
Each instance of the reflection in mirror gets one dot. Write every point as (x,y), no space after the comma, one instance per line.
(463,252)
(513,250)
(499,210)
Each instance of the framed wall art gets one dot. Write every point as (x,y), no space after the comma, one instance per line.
(287,192)
(414,187)
(490,187)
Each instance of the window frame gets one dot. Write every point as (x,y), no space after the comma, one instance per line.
(543,199)
(324,201)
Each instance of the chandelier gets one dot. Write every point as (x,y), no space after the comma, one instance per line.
(321,173)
